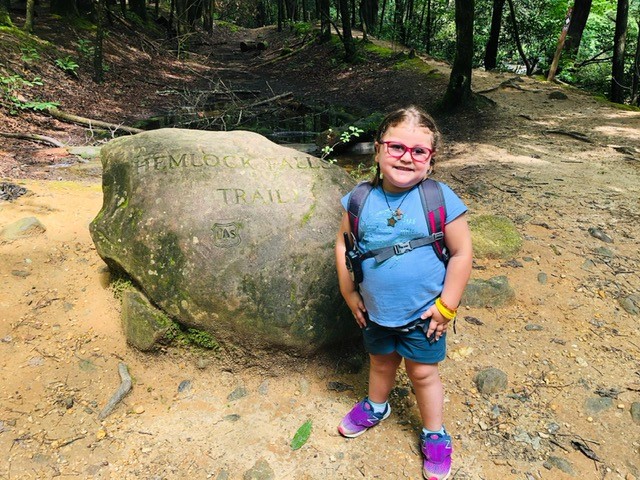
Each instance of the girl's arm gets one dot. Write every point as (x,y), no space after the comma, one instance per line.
(458,241)
(348,289)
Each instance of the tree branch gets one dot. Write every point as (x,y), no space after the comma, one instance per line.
(33,136)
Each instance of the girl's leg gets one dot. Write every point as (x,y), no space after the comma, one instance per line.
(429,392)
(382,375)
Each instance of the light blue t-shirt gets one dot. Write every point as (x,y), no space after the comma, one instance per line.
(400,289)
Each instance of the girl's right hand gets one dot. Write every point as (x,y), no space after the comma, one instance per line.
(356,305)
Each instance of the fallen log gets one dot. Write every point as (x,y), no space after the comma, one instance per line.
(290,54)
(33,136)
(68,117)
(249,46)
(125,387)
(270,100)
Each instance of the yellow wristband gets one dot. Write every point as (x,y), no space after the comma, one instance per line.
(444,311)
(447,306)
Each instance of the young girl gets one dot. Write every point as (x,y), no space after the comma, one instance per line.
(404,304)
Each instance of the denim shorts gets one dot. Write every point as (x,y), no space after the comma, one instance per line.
(412,344)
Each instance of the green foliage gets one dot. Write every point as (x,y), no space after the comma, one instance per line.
(86,48)
(345,137)
(79,22)
(68,65)
(201,339)
(301,28)
(384,52)
(29,54)
(11,97)
(120,284)
(302,435)
(415,65)
(232,27)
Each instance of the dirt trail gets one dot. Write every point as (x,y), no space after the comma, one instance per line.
(571,353)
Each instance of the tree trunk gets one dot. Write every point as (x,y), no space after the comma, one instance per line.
(384,7)
(280,14)
(427,33)
(207,16)
(459,89)
(619,43)
(398,22)
(516,35)
(98,70)
(561,40)
(491,52)
(28,21)
(635,94)
(139,7)
(325,20)
(64,8)
(347,37)
(369,12)
(194,12)
(5,20)
(581,9)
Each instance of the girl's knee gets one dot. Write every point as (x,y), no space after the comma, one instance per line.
(422,373)
(385,362)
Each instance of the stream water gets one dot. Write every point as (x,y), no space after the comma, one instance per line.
(295,126)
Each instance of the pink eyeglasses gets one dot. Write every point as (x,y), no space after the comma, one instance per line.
(418,154)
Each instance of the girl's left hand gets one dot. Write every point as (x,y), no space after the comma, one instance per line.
(438,324)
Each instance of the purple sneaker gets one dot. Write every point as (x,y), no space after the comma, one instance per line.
(360,419)
(436,450)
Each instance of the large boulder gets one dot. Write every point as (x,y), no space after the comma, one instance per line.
(227,232)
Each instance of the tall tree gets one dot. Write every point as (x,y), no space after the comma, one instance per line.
(458,91)
(369,13)
(98,56)
(139,7)
(516,36)
(64,8)
(491,51)
(619,44)
(635,82)
(556,58)
(347,36)
(5,20)
(398,21)
(428,28)
(325,20)
(579,16)
(28,21)
(207,16)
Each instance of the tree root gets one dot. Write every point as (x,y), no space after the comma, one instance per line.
(34,137)
(577,135)
(125,387)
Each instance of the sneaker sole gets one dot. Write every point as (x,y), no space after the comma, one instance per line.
(357,434)
(433,477)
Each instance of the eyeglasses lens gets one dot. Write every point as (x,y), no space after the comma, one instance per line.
(418,154)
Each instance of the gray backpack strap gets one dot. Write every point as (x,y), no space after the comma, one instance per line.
(356,203)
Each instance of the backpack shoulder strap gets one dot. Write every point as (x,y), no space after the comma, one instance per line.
(435,213)
(356,202)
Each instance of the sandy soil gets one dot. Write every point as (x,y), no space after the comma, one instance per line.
(565,343)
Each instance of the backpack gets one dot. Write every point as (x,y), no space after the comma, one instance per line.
(435,214)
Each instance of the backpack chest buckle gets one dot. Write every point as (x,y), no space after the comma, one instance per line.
(400,248)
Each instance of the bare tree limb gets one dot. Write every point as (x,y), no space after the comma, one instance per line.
(33,136)
(290,54)
(125,387)
(68,117)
